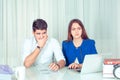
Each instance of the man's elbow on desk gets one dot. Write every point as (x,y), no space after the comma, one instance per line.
(27,64)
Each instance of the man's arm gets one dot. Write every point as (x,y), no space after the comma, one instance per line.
(58,55)
(30,59)
(61,63)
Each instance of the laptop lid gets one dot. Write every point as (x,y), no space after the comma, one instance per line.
(92,63)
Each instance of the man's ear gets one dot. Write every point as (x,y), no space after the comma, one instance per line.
(33,32)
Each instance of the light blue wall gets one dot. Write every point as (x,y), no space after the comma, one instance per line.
(100,17)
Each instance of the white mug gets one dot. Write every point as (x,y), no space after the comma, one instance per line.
(20,73)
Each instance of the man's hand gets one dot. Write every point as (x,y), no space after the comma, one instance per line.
(54,66)
(41,42)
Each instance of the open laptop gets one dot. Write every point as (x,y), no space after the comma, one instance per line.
(92,63)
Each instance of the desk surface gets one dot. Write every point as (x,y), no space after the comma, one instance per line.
(63,74)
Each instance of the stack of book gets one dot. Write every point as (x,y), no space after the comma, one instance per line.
(5,72)
(108,67)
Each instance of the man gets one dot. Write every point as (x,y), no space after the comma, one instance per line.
(41,49)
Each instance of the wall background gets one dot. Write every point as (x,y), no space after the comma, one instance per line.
(100,17)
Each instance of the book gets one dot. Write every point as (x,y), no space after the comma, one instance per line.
(5,72)
(111,61)
(108,71)
(108,67)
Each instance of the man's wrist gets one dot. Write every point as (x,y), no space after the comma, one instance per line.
(38,47)
(58,65)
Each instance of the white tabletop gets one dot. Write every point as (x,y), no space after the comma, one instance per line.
(62,74)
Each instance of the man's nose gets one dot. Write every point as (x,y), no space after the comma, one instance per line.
(41,36)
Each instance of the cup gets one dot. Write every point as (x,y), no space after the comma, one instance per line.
(20,73)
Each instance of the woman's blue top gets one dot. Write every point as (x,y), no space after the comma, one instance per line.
(71,52)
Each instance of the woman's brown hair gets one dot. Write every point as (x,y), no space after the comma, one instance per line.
(84,34)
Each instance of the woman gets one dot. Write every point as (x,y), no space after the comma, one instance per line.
(77,45)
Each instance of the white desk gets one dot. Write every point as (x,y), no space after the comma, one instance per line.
(63,74)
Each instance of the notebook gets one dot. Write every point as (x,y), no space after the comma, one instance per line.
(92,63)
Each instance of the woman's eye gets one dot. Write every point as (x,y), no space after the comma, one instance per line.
(79,28)
(73,29)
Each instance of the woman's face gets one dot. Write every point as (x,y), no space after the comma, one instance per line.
(76,31)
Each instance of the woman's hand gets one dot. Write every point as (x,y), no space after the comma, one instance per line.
(75,66)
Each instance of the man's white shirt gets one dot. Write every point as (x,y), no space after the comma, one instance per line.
(47,54)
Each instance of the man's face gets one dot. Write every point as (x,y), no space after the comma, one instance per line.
(40,34)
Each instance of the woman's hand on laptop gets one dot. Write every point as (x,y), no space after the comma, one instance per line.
(74,66)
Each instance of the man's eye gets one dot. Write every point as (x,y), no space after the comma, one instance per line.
(38,33)
(44,33)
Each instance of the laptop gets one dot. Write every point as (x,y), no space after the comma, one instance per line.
(92,63)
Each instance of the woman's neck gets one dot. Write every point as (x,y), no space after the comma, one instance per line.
(77,39)
(77,42)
